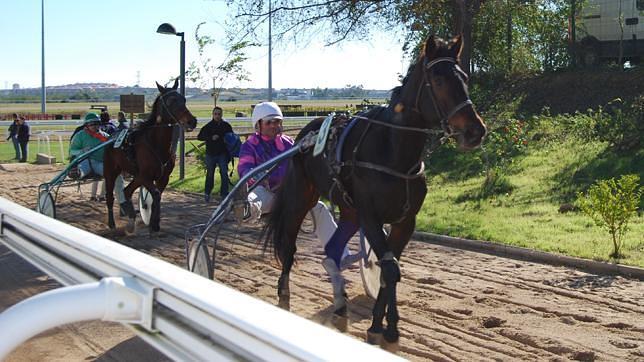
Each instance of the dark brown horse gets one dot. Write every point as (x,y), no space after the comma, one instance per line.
(379,174)
(155,153)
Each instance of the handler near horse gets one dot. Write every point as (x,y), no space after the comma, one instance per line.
(373,170)
(216,153)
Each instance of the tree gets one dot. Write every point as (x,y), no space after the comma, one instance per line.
(231,66)
(341,20)
(531,34)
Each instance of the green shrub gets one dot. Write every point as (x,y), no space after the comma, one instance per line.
(200,155)
(495,183)
(560,127)
(505,140)
(611,204)
(623,125)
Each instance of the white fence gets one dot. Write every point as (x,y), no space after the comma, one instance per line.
(183,315)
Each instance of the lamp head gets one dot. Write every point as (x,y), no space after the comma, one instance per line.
(166,28)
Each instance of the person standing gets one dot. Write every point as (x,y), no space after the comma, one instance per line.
(23,138)
(216,152)
(106,123)
(13,135)
(122,122)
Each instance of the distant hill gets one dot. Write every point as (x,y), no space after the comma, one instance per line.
(106,92)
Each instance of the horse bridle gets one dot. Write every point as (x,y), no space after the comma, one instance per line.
(444,116)
(174,138)
(418,169)
(166,106)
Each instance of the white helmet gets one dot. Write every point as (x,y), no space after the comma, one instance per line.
(266,110)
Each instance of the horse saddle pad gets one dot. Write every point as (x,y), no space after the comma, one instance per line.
(323,134)
(120,137)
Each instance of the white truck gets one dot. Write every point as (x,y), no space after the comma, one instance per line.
(599,31)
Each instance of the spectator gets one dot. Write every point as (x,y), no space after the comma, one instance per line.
(23,138)
(106,124)
(217,154)
(13,135)
(122,122)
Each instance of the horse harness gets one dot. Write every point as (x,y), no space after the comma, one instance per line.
(175,135)
(342,127)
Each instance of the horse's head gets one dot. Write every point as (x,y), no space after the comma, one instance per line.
(172,108)
(445,97)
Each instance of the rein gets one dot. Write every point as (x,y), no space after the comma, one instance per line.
(445,132)
(175,134)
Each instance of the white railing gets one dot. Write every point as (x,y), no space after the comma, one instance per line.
(183,315)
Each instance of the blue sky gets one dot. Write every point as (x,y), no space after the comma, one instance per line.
(110,41)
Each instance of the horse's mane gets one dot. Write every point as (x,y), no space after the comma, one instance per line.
(395,92)
(151,120)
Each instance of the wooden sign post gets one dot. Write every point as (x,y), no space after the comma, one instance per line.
(132,103)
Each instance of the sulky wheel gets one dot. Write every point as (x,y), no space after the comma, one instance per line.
(199,260)
(370,272)
(46,205)
(145,205)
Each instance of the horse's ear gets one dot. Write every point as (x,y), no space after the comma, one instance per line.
(431,47)
(176,84)
(160,87)
(456,46)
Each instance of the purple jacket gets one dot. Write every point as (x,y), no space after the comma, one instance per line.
(257,150)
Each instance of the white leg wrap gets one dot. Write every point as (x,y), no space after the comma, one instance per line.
(337,280)
(325,226)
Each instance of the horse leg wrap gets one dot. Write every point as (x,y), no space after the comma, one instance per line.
(390,270)
(337,280)
(283,289)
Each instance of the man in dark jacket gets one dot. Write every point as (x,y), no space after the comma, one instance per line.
(216,153)
(13,135)
(23,138)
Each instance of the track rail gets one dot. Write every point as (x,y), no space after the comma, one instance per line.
(185,316)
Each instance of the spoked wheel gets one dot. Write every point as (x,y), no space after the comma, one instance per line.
(370,272)
(46,205)
(145,204)
(369,269)
(199,260)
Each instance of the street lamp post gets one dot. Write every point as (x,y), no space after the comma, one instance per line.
(167,28)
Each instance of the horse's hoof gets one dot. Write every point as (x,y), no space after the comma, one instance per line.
(340,322)
(131,226)
(392,347)
(284,303)
(374,339)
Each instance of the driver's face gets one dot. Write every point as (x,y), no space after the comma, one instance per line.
(270,128)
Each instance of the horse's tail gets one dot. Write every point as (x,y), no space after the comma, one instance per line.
(275,232)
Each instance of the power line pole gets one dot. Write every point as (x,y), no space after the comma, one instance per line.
(43,92)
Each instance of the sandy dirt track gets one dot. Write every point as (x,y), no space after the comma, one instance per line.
(454,304)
